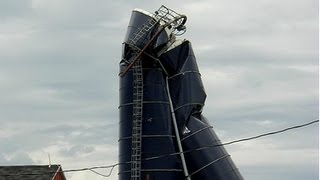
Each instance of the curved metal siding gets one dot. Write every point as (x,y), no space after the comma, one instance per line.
(157,133)
(188,96)
(158,139)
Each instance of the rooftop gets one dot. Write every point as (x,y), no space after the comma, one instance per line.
(29,172)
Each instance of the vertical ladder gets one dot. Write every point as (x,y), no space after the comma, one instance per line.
(137,40)
(137,121)
(139,35)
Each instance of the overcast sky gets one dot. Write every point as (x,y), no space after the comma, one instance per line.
(59,80)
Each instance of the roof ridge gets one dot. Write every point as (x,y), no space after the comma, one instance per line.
(29,165)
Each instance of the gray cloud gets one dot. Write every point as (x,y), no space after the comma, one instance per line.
(14,9)
(77,149)
(20,158)
(59,83)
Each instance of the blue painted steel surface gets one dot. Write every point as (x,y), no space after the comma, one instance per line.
(188,96)
(158,137)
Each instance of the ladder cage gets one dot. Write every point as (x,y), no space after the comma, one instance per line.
(137,121)
(140,37)
(175,19)
(165,15)
(164,18)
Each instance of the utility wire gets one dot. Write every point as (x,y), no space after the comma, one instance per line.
(93,169)
(272,133)
(236,141)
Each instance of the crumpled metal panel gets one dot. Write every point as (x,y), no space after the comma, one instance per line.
(188,97)
(158,137)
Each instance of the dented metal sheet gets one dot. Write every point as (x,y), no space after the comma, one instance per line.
(172,92)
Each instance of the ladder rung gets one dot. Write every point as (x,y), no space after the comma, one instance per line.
(137,116)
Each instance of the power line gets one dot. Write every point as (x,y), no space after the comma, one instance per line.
(254,137)
(93,169)
(236,141)
(271,133)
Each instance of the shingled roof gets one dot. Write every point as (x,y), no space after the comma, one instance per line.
(31,172)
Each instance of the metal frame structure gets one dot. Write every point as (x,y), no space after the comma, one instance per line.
(151,50)
(167,17)
(164,14)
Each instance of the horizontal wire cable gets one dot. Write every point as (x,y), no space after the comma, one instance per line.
(92,169)
(236,141)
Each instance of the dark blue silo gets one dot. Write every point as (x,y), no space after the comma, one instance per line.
(171,80)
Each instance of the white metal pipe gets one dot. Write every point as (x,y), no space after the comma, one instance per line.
(184,165)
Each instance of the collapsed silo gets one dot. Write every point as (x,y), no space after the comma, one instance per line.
(163,134)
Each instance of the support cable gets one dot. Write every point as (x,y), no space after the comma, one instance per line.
(92,169)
